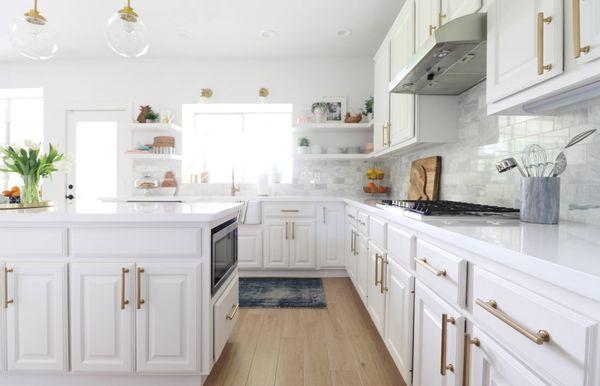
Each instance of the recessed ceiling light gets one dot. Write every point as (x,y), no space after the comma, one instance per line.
(267,34)
(343,32)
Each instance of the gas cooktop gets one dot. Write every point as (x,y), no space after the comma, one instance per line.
(447,208)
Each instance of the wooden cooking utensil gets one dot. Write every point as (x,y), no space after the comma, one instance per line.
(425,178)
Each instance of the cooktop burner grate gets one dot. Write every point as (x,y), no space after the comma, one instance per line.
(440,208)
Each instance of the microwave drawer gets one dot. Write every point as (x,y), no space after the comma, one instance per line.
(291,209)
(553,340)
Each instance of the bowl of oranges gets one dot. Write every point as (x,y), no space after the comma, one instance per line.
(374,186)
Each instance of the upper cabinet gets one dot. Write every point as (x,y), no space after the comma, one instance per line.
(586,29)
(381,97)
(428,19)
(452,9)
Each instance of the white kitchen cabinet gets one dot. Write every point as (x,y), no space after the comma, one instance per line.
(362,266)
(489,364)
(399,313)
(524,46)
(276,244)
(350,252)
(381,97)
(36,316)
(438,340)
(102,316)
(427,20)
(167,320)
(589,28)
(375,286)
(225,315)
(302,244)
(2,329)
(330,236)
(250,246)
(452,9)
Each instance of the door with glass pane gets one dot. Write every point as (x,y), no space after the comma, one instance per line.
(93,142)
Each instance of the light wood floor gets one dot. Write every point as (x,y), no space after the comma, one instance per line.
(338,345)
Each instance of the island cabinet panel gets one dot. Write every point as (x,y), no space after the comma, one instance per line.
(167,317)
(36,320)
(33,242)
(136,242)
(102,316)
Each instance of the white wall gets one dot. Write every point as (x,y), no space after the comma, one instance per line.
(168,83)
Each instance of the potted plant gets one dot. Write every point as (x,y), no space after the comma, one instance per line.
(152,117)
(319,110)
(303,145)
(367,111)
(32,167)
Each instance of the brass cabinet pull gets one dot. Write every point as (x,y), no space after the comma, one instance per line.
(140,301)
(234,310)
(324,215)
(355,244)
(541,20)
(443,366)
(577,49)
(389,136)
(429,267)
(467,356)
(6,300)
(441,17)
(383,136)
(377,257)
(352,242)
(383,282)
(290,210)
(492,307)
(431,29)
(286,230)
(293,230)
(124,301)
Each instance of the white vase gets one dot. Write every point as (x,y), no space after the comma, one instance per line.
(275,177)
(303,149)
(320,115)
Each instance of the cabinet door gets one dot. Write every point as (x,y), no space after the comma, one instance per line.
(399,316)
(375,292)
(427,19)
(589,16)
(402,48)
(36,320)
(168,320)
(512,53)
(429,342)
(452,9)
(250,246)
(491,365)
(102,316)
(276,244)
(330,234)
(362,267)
(381,97)
(303,245)
(350,254)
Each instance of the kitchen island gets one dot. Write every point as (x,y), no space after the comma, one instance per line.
(110,293)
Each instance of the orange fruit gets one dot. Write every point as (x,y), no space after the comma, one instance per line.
(16,191)
(7,193)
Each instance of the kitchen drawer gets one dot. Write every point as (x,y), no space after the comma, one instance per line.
(509,312)
(378,229)
(443,272)
(352,215)
(362,223)
(136,242)
(291,209)
(401,246)
(33,242)
(225,316)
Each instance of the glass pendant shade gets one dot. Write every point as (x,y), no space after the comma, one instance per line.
(32,36)
(126,34)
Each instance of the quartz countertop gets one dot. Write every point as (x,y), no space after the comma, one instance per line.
(98,211)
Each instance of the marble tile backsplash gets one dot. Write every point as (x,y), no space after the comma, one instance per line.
(468,166)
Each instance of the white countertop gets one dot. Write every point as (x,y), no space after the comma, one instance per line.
(222,198)
(98,211)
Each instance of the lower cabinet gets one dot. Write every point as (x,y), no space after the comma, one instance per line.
(290,243)
(303,244)
(362,266)
(250,246)
(225,316)
(350,252)
(330,236)
(154,305)
(376,287)
(438,340)
(35,306)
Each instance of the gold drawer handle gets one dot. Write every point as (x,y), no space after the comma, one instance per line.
(431,29)
(577,49)
(429,267)
(6,300)
(383,283)
(443,366)
(234,310)
(140,301)
(541,20)
(492,307)
(467,357)
(124,301)
(377,257)
(290,210)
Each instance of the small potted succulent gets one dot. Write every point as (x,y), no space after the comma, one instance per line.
(303,145)
(152,117)
(367,111)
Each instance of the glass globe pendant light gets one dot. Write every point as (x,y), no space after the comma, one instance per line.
(126,34)
(32,36)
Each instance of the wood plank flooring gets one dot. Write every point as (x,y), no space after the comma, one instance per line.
(334,346)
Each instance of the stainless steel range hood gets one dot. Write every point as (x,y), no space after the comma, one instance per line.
(450,62)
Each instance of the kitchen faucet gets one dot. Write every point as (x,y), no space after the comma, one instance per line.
(234,188)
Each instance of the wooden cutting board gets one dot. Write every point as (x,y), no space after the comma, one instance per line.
(425,178)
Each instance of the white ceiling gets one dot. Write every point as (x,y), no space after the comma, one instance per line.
(217,28)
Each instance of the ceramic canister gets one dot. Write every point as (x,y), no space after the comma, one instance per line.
(540,200)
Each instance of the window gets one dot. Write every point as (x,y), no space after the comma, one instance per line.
(251,139)
(21,118)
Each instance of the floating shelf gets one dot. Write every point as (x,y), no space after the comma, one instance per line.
(332,156)
(166,157)
(335,127)
(153,127)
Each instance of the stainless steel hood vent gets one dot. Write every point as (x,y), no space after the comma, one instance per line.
(450,62)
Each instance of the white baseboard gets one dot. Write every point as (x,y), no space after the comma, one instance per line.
(294,273)
(71,379)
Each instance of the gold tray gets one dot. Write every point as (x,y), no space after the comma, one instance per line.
(41,204)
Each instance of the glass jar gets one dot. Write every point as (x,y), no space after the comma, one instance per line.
(146,183)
